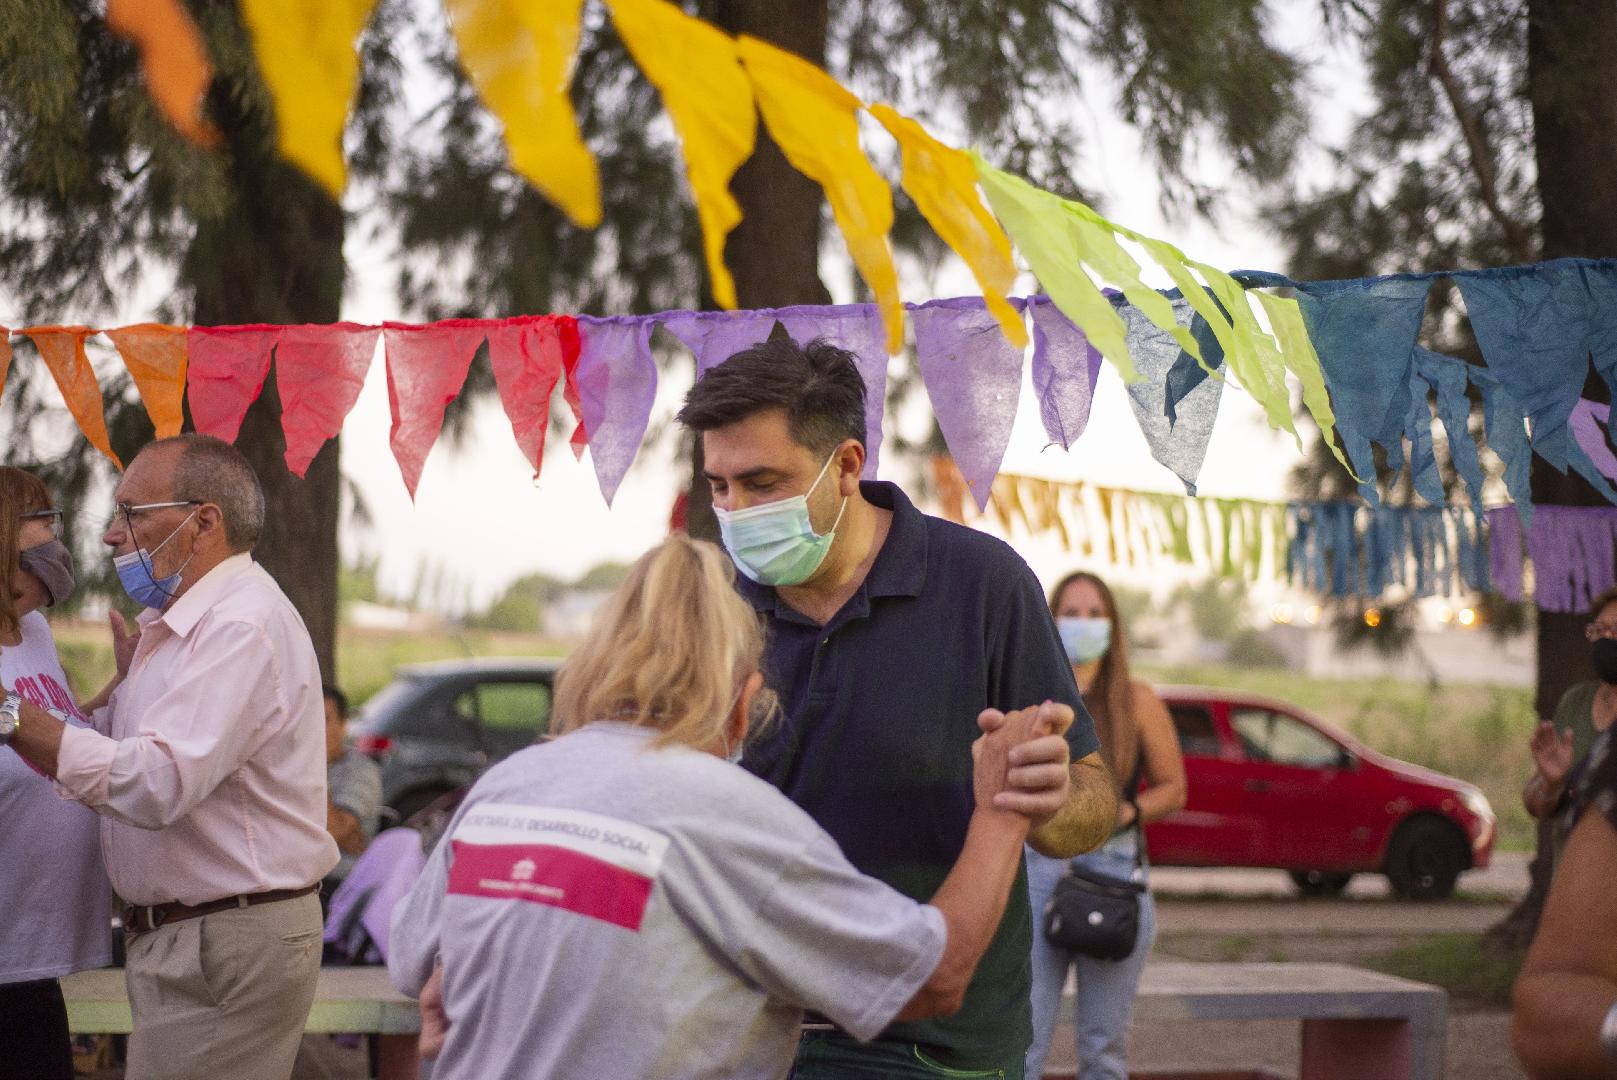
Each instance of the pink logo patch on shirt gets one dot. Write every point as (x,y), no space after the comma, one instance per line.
(585,863)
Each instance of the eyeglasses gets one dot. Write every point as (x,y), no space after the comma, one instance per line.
(1597,630)
(51,517)
(128,511)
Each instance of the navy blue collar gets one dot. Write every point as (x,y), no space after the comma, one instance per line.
(900,567)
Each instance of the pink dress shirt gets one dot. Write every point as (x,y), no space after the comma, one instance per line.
(208,765)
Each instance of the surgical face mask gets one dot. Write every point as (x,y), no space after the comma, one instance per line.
(1086,640)
(136,572)
(52,564)
(1604,655)
(775,543)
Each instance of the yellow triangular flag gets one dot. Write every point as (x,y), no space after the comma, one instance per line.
(815,122)
(698,70)
(519,54)
(308,53)
(943,183)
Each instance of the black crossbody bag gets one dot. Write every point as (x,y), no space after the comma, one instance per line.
(1095,914)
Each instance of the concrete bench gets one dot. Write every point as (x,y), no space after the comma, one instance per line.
(1356,1023)
(348,999)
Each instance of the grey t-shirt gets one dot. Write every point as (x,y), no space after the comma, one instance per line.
(605,909)
(354,782)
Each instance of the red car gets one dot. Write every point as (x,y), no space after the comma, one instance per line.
(1271,786)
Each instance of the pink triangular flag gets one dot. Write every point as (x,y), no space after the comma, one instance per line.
(526,356)
(225,372)
(426,367)
(319,371)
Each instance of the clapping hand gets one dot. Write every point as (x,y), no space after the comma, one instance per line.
(124,641)
(1552,753)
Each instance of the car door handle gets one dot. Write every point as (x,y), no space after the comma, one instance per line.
(1258,786)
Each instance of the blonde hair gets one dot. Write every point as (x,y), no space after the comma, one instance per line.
(671,650)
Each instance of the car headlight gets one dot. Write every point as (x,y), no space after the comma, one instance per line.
(1476,802)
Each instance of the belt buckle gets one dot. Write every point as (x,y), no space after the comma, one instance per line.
(150,911)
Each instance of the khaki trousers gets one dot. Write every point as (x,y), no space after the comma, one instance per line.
(224,995)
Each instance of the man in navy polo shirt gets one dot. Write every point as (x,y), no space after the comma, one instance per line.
(895,638)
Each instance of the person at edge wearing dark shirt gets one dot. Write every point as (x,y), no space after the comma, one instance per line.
(895,639)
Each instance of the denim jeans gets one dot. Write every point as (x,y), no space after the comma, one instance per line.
(833,1056)
(1105,987)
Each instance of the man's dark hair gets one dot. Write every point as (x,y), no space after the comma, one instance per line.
(337,698)
(817,385)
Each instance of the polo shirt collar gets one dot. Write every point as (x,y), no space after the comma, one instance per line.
(900,567)
(188,610)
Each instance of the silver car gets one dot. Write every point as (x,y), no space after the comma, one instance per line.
(437,726)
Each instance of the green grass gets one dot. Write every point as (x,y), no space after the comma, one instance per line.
(1476,733)
(1459,963)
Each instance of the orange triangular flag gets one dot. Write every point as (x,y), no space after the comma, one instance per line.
(5,358)
(175,61)
(155,357)
(62,349)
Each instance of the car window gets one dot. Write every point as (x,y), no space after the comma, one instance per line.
(1284,740)
(513,714)
(1194,726)
(505,706)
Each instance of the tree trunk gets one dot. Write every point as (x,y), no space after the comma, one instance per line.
(276,257)
(1571,70)
(775,252)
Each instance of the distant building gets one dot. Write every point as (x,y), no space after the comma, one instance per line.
(568,616)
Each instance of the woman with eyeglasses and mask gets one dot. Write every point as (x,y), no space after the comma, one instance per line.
(51,877)
(1137,740)
(1561,745)
(623,901)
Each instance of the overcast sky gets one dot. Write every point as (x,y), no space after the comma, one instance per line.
(480,520)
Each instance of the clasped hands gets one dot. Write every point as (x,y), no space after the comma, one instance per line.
(1021,763)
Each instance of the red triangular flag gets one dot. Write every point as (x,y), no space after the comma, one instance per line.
(571,346)
(426,367)
(526,355)
(225,372)
(319,371)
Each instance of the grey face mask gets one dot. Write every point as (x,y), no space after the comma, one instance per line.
(52,564)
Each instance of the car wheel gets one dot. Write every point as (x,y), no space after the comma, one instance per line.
(417,799)
(1317,883)
(1425,859)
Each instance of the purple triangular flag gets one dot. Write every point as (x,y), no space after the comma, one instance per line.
(859,329)
(715,336)
(617,384)
(1065,367)
(974,377)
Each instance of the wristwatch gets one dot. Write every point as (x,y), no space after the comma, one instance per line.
(10,716)
(1608,1033)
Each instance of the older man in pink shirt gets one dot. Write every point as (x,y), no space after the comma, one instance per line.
(207,766)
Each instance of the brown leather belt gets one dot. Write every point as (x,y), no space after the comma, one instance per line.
(144,918)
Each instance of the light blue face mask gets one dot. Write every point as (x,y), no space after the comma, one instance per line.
(135,573)
(1086,640)
(775,543)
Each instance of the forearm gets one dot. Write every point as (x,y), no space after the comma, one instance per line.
(1556,1027)
(38,738)
(1086,819)
(1156,803)
(972,899)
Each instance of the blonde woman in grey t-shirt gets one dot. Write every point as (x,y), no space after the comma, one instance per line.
(622,901)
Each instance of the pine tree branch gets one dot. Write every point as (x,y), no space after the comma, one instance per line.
(1517,236)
